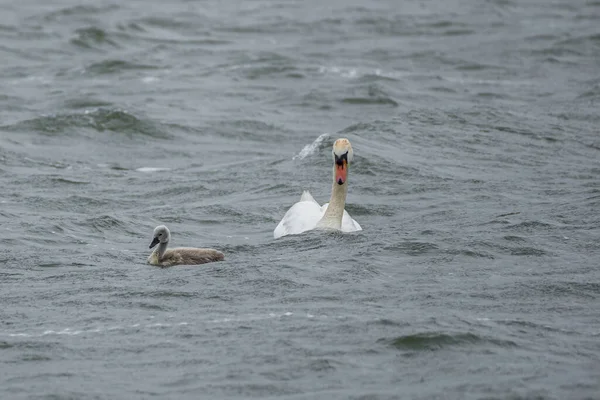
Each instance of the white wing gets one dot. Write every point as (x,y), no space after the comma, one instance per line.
(301,217)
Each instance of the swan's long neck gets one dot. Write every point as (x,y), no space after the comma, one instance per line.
(160,250)
(335,210)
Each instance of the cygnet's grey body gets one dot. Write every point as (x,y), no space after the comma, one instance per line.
(180,255)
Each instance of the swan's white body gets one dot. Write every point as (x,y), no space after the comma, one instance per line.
(307,214)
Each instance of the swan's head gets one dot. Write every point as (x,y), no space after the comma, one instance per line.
(161,235)
(342,157)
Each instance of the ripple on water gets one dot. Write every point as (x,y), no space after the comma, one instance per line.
(108,224)
(87,102)
(116,66)
(434,341)
(370,209)
(93,38)
(530,226)
(414,248)
(76,204)
(74,12)
(101,119)
(372,94)
(251,130)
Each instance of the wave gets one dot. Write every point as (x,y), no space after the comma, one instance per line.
(432,341)
(99,120)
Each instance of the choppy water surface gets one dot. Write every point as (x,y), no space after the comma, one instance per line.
(475,127)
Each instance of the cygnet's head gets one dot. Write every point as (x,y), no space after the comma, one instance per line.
(161,235)
(342,157)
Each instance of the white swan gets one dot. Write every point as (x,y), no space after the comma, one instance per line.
(180,255)
(307,214)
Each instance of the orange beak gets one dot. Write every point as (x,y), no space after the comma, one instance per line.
(341,172)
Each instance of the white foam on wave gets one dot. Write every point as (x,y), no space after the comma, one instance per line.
(74,332)
(310,149)
(161,325)
(249,317)
(486,82)
(344,72)
(151,169)
(32,79)
(352,73)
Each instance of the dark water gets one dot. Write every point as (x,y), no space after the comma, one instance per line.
(475,127)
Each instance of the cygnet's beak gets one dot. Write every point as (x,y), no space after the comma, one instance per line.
(341,168)
(154,242)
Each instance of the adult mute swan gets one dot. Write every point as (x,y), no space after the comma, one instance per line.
(307,214)
(180,255)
